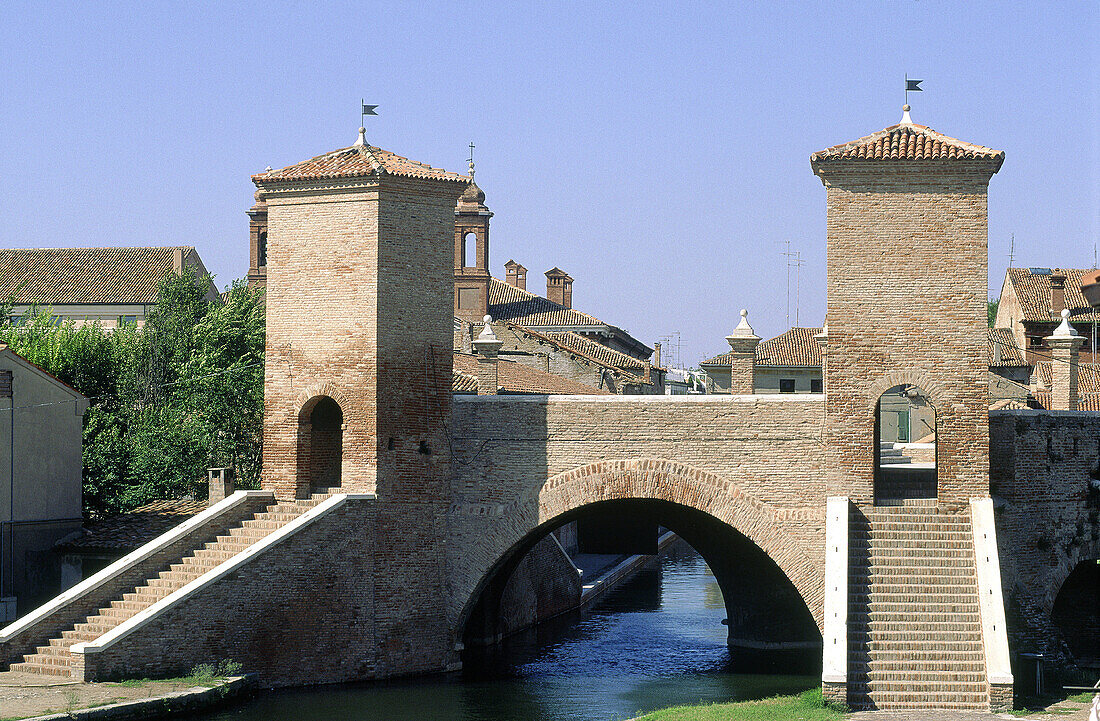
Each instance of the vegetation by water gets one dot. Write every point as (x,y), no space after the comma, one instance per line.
(806,706)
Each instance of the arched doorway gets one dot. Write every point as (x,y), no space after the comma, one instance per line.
(320,444)
(905,445)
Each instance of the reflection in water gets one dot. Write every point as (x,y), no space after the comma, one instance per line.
(655,641)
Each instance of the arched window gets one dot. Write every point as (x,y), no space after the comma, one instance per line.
(261,252)
(320,444)
(469,250)
(905,445)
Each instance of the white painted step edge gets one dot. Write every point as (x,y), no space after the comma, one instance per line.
(990,599)
(127,562)
(142,618)
(834,660)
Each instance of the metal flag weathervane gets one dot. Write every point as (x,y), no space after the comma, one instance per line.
(367,110)
(912,86)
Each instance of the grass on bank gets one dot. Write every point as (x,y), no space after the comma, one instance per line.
(806,706)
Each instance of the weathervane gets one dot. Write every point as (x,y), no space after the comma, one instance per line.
(367,110)
(912,86)
(470,160)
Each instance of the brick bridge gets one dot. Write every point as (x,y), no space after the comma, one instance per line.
(393,514)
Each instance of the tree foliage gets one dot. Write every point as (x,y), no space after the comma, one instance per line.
(180,395)
(991,310)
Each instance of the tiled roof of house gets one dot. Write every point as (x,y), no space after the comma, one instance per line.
(356,161)
(1088,376)
(1033,293)
(907,141)
(128,531)
(1001,340)
(797,347)
(568,341)
(516,378)
(600,352)
(1085,401)
(506,302)
(463,382)
(56,276)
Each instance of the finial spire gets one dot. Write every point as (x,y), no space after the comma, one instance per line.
(1065,330)
(905,119)
(471,161)
(361,142)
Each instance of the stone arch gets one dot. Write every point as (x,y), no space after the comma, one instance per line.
(936,392)
(642,479)
(1061,572)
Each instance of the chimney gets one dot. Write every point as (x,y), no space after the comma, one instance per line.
(1057,293)
(559,287)
(1064,345)
(221,484)
(657,354)
(743,341)
(177,261)
(515,274)
(487,346)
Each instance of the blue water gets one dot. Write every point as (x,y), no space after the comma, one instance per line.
(656,641)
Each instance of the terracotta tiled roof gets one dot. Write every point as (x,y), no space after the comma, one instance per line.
(506,302)
(55,276)
(463,382)
(1033,292)
(1000,339)
(1088,376)
(600,352)
(796,347)
(908,142)
(516,378)
(576,349)
(127,531)
(1085,401)
(358,160)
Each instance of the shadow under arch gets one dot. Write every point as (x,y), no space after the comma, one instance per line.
(740,538)
(1070,602)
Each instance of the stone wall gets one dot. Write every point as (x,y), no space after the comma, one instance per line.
(544,584)
(1043,465)
(522,464)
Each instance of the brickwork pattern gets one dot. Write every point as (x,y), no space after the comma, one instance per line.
(882,225)
(1042,466)
(519,464)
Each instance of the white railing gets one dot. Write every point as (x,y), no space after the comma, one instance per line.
(834,660)
(990,597)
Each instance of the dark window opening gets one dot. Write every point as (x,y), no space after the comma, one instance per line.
(261,251)
(816,385)
(905,445)
(786,385)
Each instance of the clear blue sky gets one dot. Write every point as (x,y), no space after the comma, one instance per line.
(656,152)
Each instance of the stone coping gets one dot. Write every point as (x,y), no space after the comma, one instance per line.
(187,701)
(990,599)
(127,562)
(834,660)
(1039,412)
(147,615)
(712,398)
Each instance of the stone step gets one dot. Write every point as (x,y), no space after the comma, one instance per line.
(51,659)
(41,669)
(927,618)
(876,609)
(920,574)
(876,668)
(923,540)
(962,653)
(930,702)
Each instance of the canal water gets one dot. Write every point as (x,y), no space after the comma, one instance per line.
(656,641)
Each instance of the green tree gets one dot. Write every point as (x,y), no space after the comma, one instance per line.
(991,310)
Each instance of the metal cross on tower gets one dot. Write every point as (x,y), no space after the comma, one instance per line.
(470,160)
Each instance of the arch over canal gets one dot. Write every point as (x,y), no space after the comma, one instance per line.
(739,536)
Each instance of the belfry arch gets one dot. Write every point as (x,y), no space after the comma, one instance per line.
(733,531)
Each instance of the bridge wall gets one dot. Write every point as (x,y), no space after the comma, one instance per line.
(1041,467)
(520,462)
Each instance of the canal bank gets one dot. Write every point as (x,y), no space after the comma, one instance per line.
(654,640)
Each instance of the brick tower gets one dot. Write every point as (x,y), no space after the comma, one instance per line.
(907,268)
(471,271)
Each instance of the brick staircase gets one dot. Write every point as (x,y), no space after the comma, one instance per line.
(914,626)
(55,659)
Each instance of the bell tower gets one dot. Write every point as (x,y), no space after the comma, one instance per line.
(472,252)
